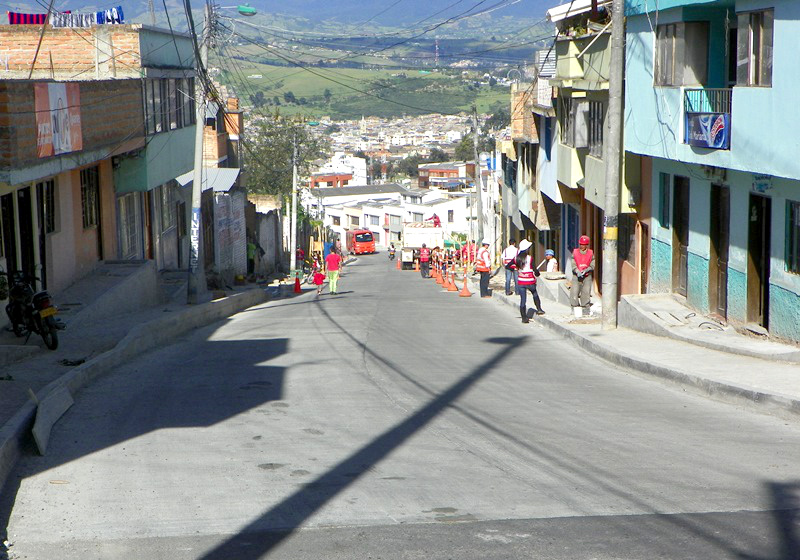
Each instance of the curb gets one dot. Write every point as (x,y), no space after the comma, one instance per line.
(141,338)
(779,405)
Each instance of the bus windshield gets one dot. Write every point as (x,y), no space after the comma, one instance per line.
(363,237)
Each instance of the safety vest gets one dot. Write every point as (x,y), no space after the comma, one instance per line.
(582,260)
(484,262)
(424,254)
(525,275)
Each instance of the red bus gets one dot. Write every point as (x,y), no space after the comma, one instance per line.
(360,241)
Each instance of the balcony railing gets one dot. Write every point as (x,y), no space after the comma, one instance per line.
(707,100)
(707,117)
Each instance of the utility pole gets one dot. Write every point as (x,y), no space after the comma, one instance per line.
(293,233)
(478,186)
(196,273)
(613,157)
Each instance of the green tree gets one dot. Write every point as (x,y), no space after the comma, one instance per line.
(437,155)
(499,119)
(327,95)
(269,162)
(289,97)
(465,150)
(409,166)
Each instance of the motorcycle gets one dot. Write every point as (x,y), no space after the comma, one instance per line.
(29,311)
(391,253)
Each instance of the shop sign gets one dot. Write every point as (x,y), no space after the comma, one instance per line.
(58,118)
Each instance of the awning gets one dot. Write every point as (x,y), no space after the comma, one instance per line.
(569,9)
(220,179)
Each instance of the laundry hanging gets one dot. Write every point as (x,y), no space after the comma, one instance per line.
(112,16)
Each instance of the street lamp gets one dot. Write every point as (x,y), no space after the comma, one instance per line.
(243,9)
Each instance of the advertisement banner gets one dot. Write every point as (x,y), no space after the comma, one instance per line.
(708,130)
(58,118)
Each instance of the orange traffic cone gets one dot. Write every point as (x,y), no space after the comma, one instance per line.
(465,291)
(399,264)
(416,266)
(439,279)
(297,289)
(451,284)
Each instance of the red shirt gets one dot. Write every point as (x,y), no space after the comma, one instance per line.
(332,262)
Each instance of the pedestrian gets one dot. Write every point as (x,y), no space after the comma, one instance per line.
(509,258)
(550,259)
(484,266)
(582,274)
(526,281)
(319,280)
(333,264)
(251,256)
(424,261)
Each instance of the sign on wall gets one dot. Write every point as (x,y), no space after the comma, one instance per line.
(708,130)
(58,118)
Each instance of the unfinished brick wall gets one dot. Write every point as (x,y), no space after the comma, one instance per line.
(111,113)
(74,53)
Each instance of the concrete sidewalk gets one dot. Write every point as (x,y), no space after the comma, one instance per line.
(744,370)
(93,349)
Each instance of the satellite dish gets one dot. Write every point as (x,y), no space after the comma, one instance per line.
(510,72)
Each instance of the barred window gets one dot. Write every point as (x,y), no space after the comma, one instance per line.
(46,191)
(168,104)
(597,119)
(90,196)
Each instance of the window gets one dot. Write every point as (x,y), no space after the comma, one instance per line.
(682,54)
(363,237)
(663,197)
(416,217)
(168,207)
(754,48)
(451,216)
(354,221)
(374,220)
(597,115)
(46,191)
(574,116)
(168,104)
(792,256)
(90,196)
(395,221)
(336,220)
(128,226)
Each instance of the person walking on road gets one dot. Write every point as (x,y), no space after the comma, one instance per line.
(526,281)
(333,264)
(509,258)
(483,264)
(582,271)
(425,261)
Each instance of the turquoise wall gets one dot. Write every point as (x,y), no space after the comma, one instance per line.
(784,310)
(660,267)
(697,289)
(166,156)
(761,117)
(633,7)
(163,49)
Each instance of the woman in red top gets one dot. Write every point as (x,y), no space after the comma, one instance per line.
(333,263)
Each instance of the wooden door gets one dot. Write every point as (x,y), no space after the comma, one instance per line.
(720,245)
(680,235)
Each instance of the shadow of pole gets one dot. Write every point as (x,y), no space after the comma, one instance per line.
(786,514)
(279,522)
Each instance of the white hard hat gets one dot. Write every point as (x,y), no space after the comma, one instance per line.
(485,242)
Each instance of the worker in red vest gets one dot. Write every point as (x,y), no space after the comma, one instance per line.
(483,264)
(424,261)
(582,273)
(526,280)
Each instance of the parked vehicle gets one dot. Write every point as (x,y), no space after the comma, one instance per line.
(29,311)
(360,241)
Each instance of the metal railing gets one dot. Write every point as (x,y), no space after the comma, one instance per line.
(707,100)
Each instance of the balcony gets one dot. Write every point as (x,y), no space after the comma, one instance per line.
(583,62)
(707,118)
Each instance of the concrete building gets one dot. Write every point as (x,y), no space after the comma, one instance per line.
(707,106)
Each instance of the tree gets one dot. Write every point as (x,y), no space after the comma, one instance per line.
(258,99)
(437,155)
(465,150)
(327,95)
(409,166)
(492,81)
(289,97)
(499,119)
(360,154)
(269,162)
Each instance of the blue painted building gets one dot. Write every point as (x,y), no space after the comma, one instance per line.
(710,106)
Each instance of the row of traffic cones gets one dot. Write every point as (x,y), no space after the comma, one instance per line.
(448,281)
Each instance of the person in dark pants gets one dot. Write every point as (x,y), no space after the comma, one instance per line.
(526,281)
(425,261)
(483,264)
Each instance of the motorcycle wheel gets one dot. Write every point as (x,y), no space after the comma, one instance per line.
(49,334)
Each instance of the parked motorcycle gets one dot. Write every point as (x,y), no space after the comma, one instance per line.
(29,311)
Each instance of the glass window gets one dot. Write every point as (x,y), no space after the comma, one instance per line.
(597,115)
(337,220)
(90,196)
(792,256)
(364,237)
(374,220)
(682,54)
(173,103)
(416,217)
(451,216)
(754,48)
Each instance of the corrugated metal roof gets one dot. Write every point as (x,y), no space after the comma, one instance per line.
(351,190)
(220,179)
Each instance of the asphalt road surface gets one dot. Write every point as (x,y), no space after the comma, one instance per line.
(398,421)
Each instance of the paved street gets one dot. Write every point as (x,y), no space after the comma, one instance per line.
(398,421)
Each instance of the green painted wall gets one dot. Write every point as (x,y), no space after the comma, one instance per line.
(697,289)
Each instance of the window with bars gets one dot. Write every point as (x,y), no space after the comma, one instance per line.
(90,196)
(46,191)
(574,118)
(754,48)
(792,257)
(663,199)
(597,119)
